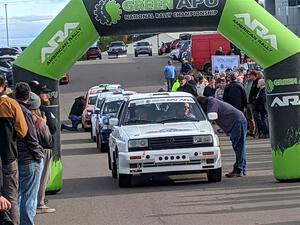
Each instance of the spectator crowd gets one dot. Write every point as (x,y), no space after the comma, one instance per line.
(242,88)
(26,139)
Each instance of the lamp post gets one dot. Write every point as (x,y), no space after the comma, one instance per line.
(6,21)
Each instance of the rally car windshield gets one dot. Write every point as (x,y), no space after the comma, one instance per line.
(111,108)
(92,100)
(162,110)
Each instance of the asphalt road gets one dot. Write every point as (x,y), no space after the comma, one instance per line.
(91,197)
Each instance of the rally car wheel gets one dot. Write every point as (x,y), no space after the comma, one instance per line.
(214,175)
(114,170)
(124,180)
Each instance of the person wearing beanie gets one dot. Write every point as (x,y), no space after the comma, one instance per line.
(42,113)
(12,124)
(30,158)
(46,140)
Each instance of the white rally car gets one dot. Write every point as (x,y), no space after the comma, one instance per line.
(163,133)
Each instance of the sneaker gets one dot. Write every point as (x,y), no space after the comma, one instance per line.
(234,174)
(44,209)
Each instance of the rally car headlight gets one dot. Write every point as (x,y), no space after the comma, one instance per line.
(138,143)
(203,139)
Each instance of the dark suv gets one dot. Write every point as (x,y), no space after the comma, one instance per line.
(9,51)
(143,48)
(93,52)
(117,48)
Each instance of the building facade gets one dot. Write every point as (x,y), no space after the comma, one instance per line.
(287,11)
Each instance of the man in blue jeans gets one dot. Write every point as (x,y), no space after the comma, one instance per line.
(30,159)
(233,122)
(170,74)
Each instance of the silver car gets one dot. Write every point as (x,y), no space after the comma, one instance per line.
(143,48)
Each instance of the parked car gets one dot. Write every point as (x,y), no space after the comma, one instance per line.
(6,63)
(180,52)
(162,48)
(185,36)
(93,53)
(163,133)
(9,51)
(65,79)
(90,101)
(174,44)
(206,45)
(117,48)
(8,74)
(143,47)
(20,49)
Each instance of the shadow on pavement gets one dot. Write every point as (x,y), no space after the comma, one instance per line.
(234,210)
(76,141)
(80,151)
(284,223)
(107,186)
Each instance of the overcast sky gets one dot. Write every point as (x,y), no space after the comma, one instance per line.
(27,19)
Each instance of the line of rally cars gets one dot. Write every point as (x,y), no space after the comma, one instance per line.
(151,133)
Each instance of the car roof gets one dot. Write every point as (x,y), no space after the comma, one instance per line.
(119,96)
(8,57)
(159,95)
(118,42)
(99,88)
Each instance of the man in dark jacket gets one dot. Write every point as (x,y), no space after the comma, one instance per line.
(43,92)
(253,75)
(75,114)
(30,160)
(12,124)
(235,94)
(254,89)
(186,87)
(234,123)
(186,67)
(210,89)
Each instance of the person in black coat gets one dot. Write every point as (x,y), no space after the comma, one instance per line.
(260,110)
(75,114)
(43,93)
(254,89)
(235,94)
(186,87)
(210,89)
(186,67)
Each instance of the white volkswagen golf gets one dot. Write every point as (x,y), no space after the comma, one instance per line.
(163,133)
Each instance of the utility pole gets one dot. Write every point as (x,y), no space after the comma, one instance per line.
(6,19)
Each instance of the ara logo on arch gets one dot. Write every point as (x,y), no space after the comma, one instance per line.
(285,101)
(59,37)
(259,28)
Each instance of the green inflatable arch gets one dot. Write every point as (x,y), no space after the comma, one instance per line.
(244,22)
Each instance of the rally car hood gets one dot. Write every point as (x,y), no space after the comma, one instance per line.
(167,129)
